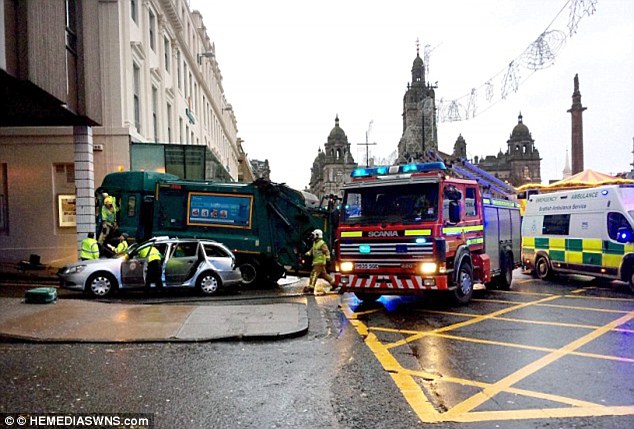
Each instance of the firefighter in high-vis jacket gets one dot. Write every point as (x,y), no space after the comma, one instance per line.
(321,256)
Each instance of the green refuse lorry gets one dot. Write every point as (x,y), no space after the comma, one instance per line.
(267,225)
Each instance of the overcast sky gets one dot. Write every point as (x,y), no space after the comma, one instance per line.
(290,66)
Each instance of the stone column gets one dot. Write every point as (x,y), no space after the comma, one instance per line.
(576,112)
(84,182)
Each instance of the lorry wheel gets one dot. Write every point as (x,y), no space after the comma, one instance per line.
(542,268)
(367,297)
(208,283)
(503,281)
(100,285)
(464,283)
(249,273)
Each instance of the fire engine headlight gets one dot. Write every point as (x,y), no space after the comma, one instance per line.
(428,267)
(346,266)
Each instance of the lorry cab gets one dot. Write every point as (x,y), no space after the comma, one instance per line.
(584,231)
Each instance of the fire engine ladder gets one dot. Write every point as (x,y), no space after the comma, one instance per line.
(464,169)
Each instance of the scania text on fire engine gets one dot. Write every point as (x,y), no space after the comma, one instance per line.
(406,229)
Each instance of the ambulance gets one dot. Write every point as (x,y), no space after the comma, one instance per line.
(583,231)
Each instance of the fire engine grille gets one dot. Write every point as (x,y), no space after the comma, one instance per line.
(381,251)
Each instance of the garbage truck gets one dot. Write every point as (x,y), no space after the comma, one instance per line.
(267,225)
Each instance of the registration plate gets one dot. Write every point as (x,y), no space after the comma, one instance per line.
(367,266)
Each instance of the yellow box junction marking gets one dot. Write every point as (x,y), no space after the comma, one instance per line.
(405,379)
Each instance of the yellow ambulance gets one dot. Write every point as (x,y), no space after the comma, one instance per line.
(583,231)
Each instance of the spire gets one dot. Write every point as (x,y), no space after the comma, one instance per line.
(520,118)
(567,170)
(418,68)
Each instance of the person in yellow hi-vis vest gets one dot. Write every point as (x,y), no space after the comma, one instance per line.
(154,274)
(321,256)
(108,218)
(89,248)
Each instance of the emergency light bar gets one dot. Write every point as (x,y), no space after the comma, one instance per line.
(395,169)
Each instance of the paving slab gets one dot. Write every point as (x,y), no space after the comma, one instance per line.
(93,321)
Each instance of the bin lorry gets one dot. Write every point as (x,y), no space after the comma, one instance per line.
(266,225)
(407,229)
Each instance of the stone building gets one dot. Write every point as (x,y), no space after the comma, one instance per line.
(147,82)
(261,169)
(420,133)
(332,166)
(520,163)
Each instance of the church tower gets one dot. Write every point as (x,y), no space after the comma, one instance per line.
(332,167)
(419,116)
(522,156)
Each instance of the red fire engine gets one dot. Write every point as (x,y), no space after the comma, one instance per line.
(406,229)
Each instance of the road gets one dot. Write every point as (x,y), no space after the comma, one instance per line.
(543,355)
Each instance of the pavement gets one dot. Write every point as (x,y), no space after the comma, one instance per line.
(73,320)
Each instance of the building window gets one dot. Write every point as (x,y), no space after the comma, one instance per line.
(71,53)
(4,200)
(136,74)
(133,10)
(152,27)
(169,123)
(155,112)
(178,67)
(166,48)
(180,130)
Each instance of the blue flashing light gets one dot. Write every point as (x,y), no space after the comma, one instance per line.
(604,192)
(364,248)
(405,168)
(421,240)
(360,172)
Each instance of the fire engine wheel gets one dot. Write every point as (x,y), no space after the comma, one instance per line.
(542,268)
(505,278)
(367,297)
(208,283)
(464,283)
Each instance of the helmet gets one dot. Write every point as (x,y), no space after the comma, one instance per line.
(318,233)
(108,200)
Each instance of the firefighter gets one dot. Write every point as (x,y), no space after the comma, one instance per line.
(108,218)
(321,256)
(89,248)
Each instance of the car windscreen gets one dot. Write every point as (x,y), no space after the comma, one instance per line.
(408,203)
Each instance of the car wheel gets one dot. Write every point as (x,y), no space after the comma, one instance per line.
(542,268)
(464,282)
(505,278)
(367,297)
(208,283)
(631,280)
(100,285)
(249,273)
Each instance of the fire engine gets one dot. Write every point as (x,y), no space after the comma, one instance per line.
(407,229)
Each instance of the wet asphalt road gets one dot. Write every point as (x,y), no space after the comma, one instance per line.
(336,376)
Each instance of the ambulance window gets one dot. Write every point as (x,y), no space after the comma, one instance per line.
(471,208)
(556,224)
(616,221)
